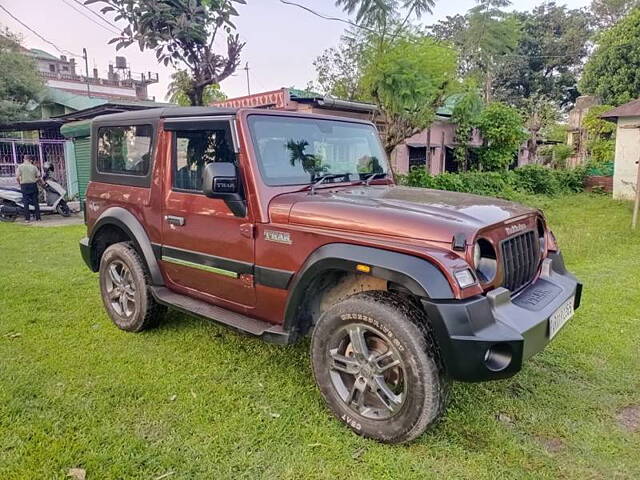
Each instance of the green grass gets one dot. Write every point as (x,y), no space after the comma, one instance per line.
(193,400)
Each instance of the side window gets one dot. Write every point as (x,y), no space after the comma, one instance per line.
(124,150)
(194,149)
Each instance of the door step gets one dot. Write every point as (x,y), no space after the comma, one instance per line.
(267,331)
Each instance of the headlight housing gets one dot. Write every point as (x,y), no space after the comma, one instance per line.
(485,260)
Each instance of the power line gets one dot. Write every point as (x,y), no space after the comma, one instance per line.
(101,17)
(70,5)
(326,17)
(61,50)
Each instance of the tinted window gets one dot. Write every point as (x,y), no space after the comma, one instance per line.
(195,149)
(293,151)
(125,150)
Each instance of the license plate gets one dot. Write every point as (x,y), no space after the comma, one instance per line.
(560,317)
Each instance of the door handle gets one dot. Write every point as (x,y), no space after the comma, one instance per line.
(173,220)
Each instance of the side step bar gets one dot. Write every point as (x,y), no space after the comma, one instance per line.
(269,332)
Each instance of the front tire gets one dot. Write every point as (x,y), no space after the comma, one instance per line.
(63,209)
(377,367)
(124,285)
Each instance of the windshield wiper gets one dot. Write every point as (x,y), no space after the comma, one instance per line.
(367,181)
(329,176)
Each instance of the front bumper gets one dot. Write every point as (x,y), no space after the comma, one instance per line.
(514,328)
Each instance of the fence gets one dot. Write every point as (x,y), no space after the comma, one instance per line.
(12,151)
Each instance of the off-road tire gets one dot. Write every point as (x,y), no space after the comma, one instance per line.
(406,327)
(146,312)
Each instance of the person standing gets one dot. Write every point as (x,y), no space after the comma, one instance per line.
(28,176)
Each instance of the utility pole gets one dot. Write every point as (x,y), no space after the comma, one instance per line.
(636,204)
(86,69)
(246,69)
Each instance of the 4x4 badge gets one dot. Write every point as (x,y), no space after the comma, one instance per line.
(278,237)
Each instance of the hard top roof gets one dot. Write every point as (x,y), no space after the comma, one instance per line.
(166,112)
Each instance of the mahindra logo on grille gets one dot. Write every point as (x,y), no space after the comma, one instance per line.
(520,227)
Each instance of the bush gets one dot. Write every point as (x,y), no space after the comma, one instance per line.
(530,179)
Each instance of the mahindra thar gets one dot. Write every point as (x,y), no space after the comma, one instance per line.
(283,225)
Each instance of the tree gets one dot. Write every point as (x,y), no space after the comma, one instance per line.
(21,86)
(339,69)
(408,81)
(612,71)
(466,114)
(182,32)
(502,130)
(601,144)
(548,58)
(484,35)
(180,85)
(606,13)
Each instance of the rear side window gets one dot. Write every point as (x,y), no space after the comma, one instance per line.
(124,150)
(194,149)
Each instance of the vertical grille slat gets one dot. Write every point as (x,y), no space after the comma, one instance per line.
(520,260)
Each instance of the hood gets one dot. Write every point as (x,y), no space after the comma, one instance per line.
(418,213)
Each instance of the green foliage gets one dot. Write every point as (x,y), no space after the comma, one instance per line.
(549,56)
(20,84)
(604,169)
(181,32)
(530,179)
(408,80)
(181,84)
(466,114)
(482,36)
(503,132)
(557,155)
(339,69)
(606,13)
(378,14)
(601,144)
(612,71)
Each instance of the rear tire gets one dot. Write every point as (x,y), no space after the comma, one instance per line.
(124,285)
(377,367)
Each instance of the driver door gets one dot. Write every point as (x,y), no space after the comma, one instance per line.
(204,250)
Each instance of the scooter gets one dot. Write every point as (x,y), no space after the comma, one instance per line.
(51,198)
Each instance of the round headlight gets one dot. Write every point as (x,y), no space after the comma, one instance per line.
(484,259)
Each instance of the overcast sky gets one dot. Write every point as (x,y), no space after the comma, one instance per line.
(282,41)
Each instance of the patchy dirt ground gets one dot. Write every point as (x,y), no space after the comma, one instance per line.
(629,418)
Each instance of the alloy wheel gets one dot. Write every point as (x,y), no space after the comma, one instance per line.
(121,289)
(367,371)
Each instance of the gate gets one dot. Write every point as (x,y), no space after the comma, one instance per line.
(12,151)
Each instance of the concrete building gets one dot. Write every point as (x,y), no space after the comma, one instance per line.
(576,134)
(627,118)
(120,83)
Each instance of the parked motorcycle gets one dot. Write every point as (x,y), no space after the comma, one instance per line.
(51,198)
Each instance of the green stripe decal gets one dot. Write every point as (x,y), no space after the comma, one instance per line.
(199,266)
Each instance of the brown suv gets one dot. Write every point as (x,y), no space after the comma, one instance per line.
(281,224)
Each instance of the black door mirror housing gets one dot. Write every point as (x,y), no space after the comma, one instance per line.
(220,180)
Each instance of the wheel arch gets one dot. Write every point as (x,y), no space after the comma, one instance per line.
(116,225)
(415,275)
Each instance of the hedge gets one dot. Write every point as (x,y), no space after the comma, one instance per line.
(530,179)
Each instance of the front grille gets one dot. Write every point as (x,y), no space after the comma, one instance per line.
(520,258)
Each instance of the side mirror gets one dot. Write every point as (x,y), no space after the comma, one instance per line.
(220,180)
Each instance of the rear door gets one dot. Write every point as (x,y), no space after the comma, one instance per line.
(206,250)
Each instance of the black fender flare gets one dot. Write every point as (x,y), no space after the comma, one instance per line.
(421,277)
(123,219)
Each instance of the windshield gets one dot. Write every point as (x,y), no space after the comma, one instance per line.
(299,151)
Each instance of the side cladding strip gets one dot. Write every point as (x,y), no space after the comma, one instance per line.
(269,277)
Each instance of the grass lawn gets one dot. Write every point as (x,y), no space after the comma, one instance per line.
(194,400)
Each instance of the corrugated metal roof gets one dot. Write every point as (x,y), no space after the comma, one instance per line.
(631,109)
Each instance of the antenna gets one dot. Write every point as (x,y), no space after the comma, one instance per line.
(86,67)
(246,69)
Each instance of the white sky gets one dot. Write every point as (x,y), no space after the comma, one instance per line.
(282,41)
